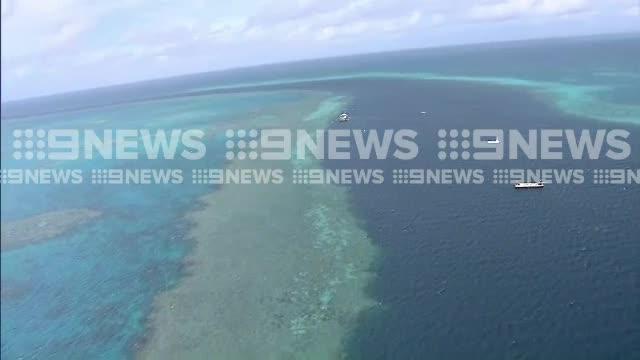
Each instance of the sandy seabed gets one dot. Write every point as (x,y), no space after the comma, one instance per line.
(278,271)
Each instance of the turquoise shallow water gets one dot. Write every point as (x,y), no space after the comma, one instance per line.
(87,293)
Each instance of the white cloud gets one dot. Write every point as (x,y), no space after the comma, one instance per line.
(324,20)
(65,34)
(162,58)
(368,26)
(33,27)
(22,71)
(254,33)
(227,30)
(437,19)
(122,53)
(117,40)
(509,9)
(501,10)
(560,7)
(633,10)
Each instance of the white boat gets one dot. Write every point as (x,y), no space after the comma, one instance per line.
(344,117)
(529,185)
(495,141)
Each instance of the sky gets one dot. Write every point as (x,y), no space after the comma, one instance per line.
(53,46)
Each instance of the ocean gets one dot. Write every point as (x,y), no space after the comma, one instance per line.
(361,271)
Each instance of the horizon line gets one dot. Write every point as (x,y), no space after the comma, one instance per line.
(303,60)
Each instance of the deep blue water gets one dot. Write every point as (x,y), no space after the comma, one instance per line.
(484,271)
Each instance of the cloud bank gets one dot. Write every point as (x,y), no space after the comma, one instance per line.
(60,45)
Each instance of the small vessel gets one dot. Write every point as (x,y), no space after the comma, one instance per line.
(493,141)
(344,117)
(529,185)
